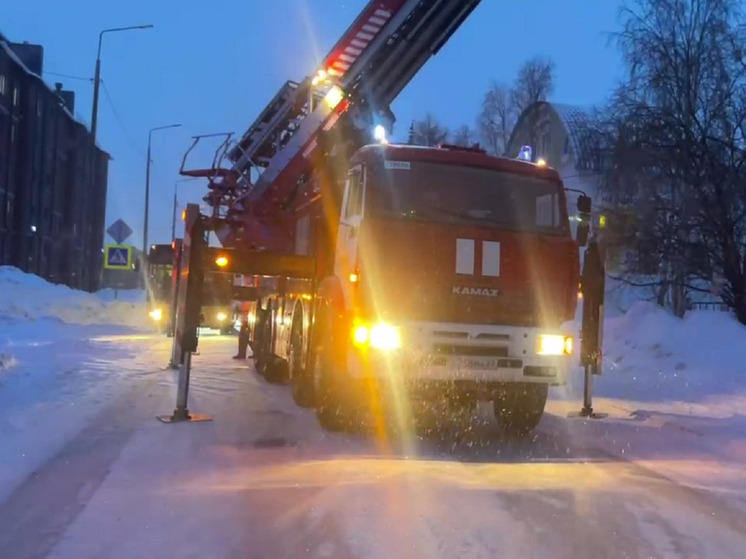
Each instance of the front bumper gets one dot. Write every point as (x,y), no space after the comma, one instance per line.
(477,354)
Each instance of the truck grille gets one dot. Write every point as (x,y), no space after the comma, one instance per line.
(470,350)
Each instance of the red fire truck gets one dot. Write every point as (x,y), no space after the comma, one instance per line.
(389,273)
(443,273)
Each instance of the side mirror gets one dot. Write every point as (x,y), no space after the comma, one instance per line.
(584,214)
(584,204)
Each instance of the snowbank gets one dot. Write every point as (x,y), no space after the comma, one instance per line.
(28,297)
(675,392)
(651,355)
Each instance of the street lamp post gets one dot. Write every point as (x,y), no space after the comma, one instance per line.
(97,75)
(147,188)
(91,155)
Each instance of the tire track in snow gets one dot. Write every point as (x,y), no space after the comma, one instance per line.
(36,515)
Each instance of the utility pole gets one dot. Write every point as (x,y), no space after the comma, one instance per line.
(97,75)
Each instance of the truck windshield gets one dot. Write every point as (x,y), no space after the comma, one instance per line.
(448,193)
(159,288)
(217,289)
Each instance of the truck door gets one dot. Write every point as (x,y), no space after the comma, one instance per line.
(349,224)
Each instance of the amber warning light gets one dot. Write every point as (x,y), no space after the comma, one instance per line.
(221,261)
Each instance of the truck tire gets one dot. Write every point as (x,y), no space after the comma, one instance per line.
(333,408)
(276,370)
(520,406)
(301,380)
(332,411)
(263,336)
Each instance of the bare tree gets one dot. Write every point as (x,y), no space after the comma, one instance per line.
(497,118)
(678,147)
(428,132)
(464,136)
(535,82)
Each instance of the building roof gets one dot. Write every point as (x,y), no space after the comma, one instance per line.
(8,49)
(578,123)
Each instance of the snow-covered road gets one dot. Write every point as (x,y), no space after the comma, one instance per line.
(263,480)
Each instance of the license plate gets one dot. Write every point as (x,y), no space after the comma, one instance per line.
(434,361)
(475,364)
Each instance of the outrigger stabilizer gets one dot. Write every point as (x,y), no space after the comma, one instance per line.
(591,337)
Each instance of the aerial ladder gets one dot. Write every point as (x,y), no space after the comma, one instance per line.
(331,111)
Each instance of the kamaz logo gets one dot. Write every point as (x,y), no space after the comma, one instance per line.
(481,291)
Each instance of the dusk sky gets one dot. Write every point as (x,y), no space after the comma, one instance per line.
(212,66)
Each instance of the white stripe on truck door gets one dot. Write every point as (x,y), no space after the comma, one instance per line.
(491,259)
(465,256)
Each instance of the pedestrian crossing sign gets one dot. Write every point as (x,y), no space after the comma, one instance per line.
(118,257)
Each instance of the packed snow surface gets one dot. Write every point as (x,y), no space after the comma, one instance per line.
(81,382)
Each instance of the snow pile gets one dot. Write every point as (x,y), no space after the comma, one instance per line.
(28,297)
(651,355)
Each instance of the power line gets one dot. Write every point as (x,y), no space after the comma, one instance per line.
(69,76)
(132,142)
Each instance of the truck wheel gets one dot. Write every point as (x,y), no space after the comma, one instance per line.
(332,407)
(302,382)
(263,336)
(519,407)
(331,410)
(277,370)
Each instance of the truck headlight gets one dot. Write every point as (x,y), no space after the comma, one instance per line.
(156,314)
(554,344)
(380,336)
(221,316)
(385,337)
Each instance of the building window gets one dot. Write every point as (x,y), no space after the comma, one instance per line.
(12,133)
(15,96)
(3,84)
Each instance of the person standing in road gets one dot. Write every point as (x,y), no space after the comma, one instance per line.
(243,339)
